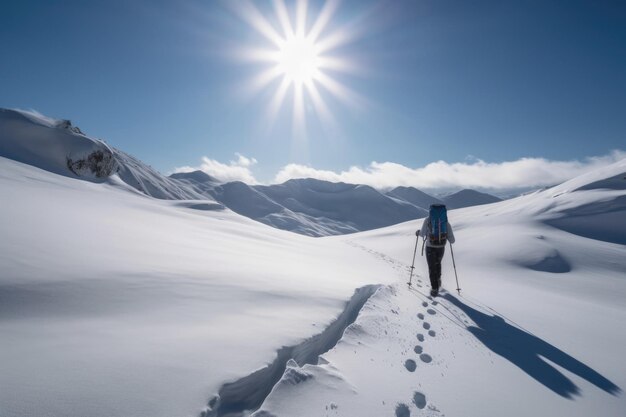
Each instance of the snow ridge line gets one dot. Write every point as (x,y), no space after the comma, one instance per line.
(247,394)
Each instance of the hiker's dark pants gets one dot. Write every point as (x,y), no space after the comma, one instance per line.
(433,257)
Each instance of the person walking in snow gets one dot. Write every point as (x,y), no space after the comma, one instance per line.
(436,232)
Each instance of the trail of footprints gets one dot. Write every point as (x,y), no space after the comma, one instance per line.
(399,266)
(419,398)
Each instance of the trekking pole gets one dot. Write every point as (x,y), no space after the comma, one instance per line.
(417,238)
(455,275)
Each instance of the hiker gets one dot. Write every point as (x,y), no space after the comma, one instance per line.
(436,231)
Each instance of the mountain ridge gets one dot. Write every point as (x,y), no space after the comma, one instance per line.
(307,206)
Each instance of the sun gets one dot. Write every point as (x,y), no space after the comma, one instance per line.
(298,59)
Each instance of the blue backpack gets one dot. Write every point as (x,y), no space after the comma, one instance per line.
(438,225)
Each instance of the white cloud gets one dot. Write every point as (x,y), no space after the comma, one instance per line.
(474,173)
(524,173)
(237,170)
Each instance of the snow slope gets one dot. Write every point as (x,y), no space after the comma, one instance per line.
(59,147)
(118,304)
(537,329)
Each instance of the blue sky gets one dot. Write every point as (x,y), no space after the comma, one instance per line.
(456,81)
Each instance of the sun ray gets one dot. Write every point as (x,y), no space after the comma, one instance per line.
(336,64)
(257,55)
(299,118)
(335,40)
(340,91)
(283,19)
(323,19)
(250,14)
(321,109)
(264,79)
(301,8)
(277,102)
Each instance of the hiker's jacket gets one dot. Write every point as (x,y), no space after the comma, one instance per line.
(425,232)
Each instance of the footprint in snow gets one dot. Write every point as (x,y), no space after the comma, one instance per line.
(424,304)
(426,325)
(426,358)
(435,302)
(432,333)
(431,311)
(421,316)
(419,400)
(420,337)
(410,365)
(402,410)
(417,349)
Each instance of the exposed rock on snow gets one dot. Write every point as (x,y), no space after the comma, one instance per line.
(53,145)
(60,147)
(67,124)
(99,163)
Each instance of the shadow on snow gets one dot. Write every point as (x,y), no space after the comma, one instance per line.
(528,352)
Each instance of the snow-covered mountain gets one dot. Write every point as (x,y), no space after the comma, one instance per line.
(59,147)
(414,196)
(320,208)
(54,145)
(468,198)
(200,181)
(350,207)
(250,202)
(460,199)
(306,206)
(113,304)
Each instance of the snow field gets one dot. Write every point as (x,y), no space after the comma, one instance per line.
(537,329)
(114,303)
(117,304)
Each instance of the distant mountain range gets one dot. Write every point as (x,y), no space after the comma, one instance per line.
(468,198)
(306,206)
(320,208)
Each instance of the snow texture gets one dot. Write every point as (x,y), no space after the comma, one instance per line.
(113,303)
